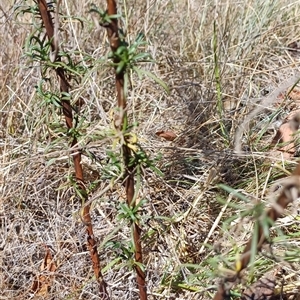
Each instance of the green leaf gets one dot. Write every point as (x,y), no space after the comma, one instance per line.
(56,102)
(50,162)
(111,264)
(140,265)
(254,244)
(155,78)
(156,171)
(121,50)
(233,192)
(143,55)
(60,64)
(65,96)
(126,81)
(116,16)
(121,67)
(140,204)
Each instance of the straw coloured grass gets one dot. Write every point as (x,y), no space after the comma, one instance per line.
(197,198)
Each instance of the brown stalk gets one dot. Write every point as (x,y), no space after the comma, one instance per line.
(68,114)
(290,191)
(115,42)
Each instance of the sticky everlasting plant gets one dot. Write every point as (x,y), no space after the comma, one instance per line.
(125,58)
(47,53)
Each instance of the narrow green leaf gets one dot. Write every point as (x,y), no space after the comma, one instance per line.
(111,264)
(254,244)
(156,79)
(233,191)
(143,55)
(156,171)
(141,266)
(121,67)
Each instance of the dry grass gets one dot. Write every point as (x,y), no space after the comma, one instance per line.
(38,206)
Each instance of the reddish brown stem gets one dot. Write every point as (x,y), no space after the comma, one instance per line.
(129,187)
(113,34)
(68,114)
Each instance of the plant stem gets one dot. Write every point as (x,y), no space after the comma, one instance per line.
(121,117)
(68,114)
